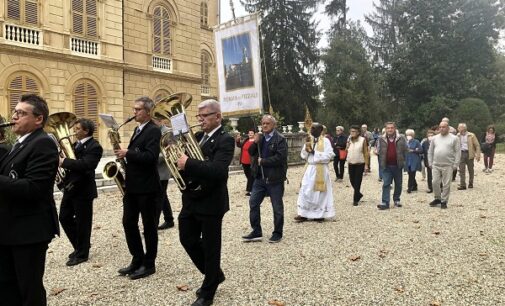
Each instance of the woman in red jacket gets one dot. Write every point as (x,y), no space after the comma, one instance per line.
(245,158)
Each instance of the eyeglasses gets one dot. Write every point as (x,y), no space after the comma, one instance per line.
(20,113)
(203,116)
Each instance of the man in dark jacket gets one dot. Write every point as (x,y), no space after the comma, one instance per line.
(142,191)
(269,164)
(28,218)
(392,149)
(76,209)
(205,199)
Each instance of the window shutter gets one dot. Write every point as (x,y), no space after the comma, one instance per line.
(157,30)
(205,62)
(19,86)
(77,16)
(204,11)
(86,103)
(13,11)
(31,12)
(161,31)
(91,16)
(166,34)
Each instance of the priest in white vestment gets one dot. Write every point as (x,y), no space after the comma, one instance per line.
(315,199)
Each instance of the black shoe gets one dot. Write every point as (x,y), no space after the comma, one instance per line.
(142,272)
(443,205)
(382,207)
(75,261)
(397,204)
(252,237)
(354,203)
(248,194)
(276,238)
(470,185)
(320,220)
(429,191)
(202,302)
(461,188)
(409,190)
(435,202)
(300,219)
(221,279)
(166,225)
(128,270)
(71,255)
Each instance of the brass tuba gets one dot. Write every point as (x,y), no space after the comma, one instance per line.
(172,147)
(116,170)
(58,126)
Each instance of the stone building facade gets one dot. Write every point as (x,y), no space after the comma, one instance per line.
(96,56)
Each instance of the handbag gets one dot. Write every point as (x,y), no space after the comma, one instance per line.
(342,154)
(485,147)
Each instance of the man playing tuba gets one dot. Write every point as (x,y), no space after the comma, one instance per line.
(205,201)
(76,210)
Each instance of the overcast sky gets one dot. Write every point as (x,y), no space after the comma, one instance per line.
(357,10)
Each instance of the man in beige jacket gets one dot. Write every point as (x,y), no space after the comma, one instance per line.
(470,150)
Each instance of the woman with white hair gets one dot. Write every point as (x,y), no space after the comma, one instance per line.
(413,159)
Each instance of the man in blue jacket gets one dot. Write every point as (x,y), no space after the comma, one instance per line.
(269,164)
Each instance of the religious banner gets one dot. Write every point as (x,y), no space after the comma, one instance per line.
(239,67)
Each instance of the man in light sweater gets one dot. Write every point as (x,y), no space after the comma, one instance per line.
(443,156)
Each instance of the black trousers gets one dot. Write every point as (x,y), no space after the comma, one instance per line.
(200,235)
(76,218)
(412,183)
(145,205)
(430,177)
(338,165)
(248,175)
(21,274)
(356,177)
(165,204)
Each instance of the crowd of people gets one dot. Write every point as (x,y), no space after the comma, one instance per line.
(29,216)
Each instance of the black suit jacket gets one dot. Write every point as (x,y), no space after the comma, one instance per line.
(209,177)
(80,177)
(27,208)
(4,149)
(142,161)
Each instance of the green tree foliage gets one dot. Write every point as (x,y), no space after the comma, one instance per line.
(290,53)
(337,9)
(475,113)
(348,81)
(384,23)
(446,50)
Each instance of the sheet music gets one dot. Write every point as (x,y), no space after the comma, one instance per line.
(108,120)
(179,124)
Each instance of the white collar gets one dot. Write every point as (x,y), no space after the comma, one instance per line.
(22,138)
(84,140)
(212,132)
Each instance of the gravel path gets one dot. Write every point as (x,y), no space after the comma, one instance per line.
(415,255)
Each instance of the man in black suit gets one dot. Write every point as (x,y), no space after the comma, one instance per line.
(28,218)
(76,210)
(205,200)
(142,191)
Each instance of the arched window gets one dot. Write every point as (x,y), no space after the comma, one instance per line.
(160,94)
(19,85)
(161,31)
(24,11)
(205,58)
(204,14)
(84,17)
(86,100)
